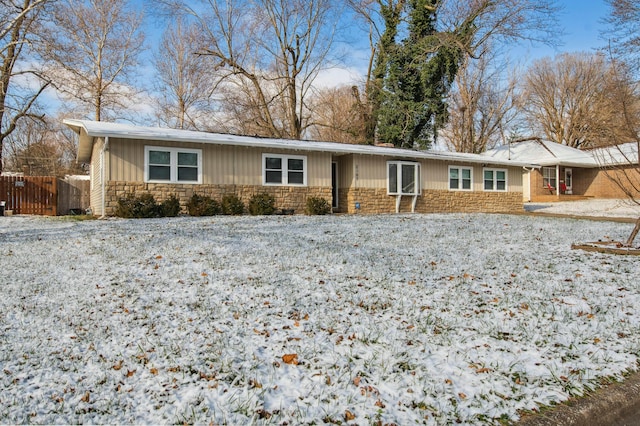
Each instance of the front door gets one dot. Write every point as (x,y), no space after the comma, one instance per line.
(568,181)
(334,185)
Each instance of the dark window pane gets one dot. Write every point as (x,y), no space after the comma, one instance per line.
(187,159)
(273,177)
(453,183)
(466,183)
(159,173)
(408,179)
(466,173)
(295,164)
(393,178)
(188,174)
(273,163)
(159,157)
(296,178)
(501,185)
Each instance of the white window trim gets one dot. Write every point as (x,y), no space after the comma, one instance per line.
(285,171)
(460,168)
(173,164)
(495,180)
(399,164)
(550,179)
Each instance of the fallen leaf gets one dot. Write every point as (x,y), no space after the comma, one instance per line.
(130,373)
(484,370)
(86,398)
(158,257)
(118,365)
(290,359)
(462,395)
(348,415)
(153,371)
(356,380)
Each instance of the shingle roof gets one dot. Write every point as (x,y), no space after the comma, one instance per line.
(544,153)
(92,129)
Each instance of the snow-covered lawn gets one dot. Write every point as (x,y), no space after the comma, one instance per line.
(596,207)
(231,320)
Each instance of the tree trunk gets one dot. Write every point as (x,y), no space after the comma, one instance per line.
(635,231)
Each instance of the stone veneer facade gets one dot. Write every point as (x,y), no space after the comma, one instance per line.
(372,201)
(287,197)
(375,201)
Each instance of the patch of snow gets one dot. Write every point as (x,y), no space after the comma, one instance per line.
(593,208)
(407,319)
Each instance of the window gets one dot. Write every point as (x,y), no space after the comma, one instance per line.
(495,180)
(403,178)
(175,165)
(284,170)
(460,178)
(548,177)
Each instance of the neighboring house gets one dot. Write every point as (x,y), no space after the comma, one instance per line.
(567,173)
(354,178)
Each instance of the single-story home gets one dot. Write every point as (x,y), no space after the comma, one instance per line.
(568,173)
(354,178)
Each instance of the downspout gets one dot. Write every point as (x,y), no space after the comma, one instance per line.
(105,148)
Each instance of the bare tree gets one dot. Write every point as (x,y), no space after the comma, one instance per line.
(336,117)
(623,32)
(482,106)
(267,54)
(570,99)
(93,52)
(39,148)
(184,79)
(621,161)
(21,82)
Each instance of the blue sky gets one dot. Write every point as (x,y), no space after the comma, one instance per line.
(582,22)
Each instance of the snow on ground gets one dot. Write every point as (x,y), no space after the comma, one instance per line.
(402,319)
(600,207)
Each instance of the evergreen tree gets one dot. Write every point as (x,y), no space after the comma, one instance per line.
(418,77)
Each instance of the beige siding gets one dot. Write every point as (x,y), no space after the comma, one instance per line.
(221,164)
(372,173)
(345,170)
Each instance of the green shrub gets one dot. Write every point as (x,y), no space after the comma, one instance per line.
(203,205)
(232,204)
(141,206)
(262,204)
(170,207)
(317,205)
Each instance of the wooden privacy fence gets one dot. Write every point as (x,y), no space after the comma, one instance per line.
(30,194)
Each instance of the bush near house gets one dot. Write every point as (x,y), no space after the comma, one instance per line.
(203,205)
(170,207)
(262,204)
(145,206)
(317,206)
(232,205)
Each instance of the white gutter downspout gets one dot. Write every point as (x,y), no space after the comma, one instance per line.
(105,147)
